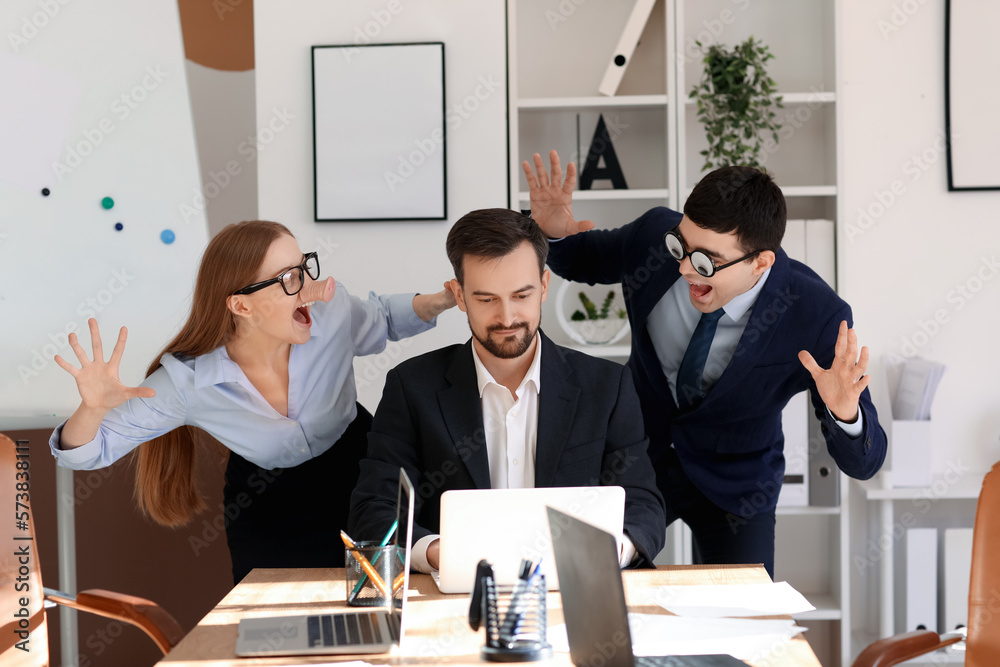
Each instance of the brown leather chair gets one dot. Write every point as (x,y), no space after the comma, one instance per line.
(983,631)
(22,597)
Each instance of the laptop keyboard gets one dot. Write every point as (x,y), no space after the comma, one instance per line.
(343,630)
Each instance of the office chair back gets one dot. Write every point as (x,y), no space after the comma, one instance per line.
(21,589)
(983,644)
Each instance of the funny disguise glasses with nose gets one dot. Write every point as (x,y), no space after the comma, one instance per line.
(291,280)
(701,262)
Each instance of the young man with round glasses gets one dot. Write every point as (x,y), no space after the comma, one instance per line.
(725,330)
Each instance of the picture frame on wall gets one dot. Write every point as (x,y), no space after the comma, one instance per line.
(379,137)
(971,96)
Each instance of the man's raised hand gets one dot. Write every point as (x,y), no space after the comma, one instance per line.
(552,198)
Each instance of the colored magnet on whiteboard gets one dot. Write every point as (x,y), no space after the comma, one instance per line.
(167,236)
(45,192)
(107,202)
(119,226)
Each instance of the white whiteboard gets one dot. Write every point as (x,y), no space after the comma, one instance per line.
(379,132)
(98,92)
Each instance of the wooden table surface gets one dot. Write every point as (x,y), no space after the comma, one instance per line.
(436,627)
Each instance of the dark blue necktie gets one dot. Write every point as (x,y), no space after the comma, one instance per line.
(693,364)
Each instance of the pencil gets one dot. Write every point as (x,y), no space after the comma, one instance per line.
(385,541)
(366,565)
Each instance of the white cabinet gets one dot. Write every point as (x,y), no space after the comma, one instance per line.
(557,55)
(878,560)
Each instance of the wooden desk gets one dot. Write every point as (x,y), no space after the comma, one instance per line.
(435,623)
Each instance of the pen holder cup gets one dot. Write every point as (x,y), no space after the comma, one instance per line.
(516,622)
(364,560)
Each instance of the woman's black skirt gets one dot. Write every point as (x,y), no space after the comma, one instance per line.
(292,517)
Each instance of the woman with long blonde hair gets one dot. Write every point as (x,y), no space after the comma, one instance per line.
(264,364)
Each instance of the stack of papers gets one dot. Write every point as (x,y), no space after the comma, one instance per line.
(658,634)
(917,384)
(771,599)
(711,619)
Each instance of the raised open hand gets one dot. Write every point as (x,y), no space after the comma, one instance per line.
(552,198)
(841,385)
(97,380)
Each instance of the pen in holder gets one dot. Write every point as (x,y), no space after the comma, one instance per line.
(515,621)
(372,571)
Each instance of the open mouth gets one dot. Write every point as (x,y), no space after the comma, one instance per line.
(699,292)
(302,315)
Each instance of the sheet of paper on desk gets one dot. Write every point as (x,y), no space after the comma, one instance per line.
(658,634)
(774,599)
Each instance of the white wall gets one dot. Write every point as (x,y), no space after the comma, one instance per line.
(103,111)
(222,109)
(383,256)
(902,267)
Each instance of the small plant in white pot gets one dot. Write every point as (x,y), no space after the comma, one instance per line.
(598,326)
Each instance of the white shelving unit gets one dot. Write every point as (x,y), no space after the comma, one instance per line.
(555,64)
(876,553)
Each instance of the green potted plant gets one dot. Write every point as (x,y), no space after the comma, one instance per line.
(598,326)
(736,104)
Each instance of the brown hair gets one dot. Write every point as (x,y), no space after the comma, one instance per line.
(744,200)
(165,487)
(493,233)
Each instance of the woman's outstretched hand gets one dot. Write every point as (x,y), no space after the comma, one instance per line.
(96,379)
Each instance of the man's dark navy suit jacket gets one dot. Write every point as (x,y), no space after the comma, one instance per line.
(730,444)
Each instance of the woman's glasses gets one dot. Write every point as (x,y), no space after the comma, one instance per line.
(291,280)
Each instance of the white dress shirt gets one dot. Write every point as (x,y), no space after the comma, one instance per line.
(511,425)
(673,320)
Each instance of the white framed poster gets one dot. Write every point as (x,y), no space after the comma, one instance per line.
(971,94)
(379,144)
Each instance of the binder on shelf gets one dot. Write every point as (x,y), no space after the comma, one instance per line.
(910,449)
(921,579)
(824,476)
(820,254)
(957,568)
(795,425)
(626,47)
(794,241)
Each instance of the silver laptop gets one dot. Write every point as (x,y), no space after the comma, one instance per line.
(506,525)
(593,601)
(349,632)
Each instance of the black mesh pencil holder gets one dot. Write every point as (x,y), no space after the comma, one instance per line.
(515,621)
